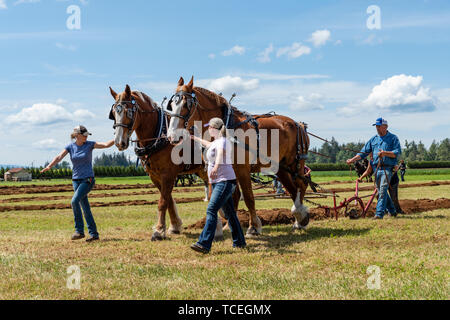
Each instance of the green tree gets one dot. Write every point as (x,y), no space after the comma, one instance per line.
(432,152)
(443,151)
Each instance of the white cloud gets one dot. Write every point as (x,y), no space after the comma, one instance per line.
(394,95)
(46,114)
(320,37)
(212,56)
(70,71)
(229,85)
(305,104)
(68,47)
(284,77)
(372,40)
(296,50)
(401,93)
(3,5)
(264,56)
(25,1)
(235,50)
(48,145)
(83,114)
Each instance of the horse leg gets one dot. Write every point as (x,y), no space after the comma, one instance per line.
(298,210)
(245,182)
(176,223)
(159,230)
(300,207)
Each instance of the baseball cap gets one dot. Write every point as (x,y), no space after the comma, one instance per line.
(82,130)
(216,123)
(380,122)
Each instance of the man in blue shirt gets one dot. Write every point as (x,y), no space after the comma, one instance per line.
(386,150)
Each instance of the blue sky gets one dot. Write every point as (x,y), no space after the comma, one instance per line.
(315,61)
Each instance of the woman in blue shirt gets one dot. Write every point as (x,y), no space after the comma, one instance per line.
(82,179)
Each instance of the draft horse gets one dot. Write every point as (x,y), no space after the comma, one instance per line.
(190,104)
(134,111)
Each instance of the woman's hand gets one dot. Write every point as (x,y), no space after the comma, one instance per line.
(45,169)
(214,172)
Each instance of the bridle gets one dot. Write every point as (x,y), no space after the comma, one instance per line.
(191,105)
(132,113)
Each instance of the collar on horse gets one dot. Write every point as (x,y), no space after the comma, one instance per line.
(160,140)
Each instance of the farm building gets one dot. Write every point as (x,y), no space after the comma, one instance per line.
(18,174)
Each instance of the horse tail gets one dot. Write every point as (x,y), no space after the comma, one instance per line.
(303,138)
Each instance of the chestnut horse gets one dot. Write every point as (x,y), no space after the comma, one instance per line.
(190,104)
(136,112)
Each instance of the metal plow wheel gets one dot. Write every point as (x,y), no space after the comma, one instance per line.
(354,208)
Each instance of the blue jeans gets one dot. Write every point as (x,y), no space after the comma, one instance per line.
(383,177)
(80,200)
(221,197)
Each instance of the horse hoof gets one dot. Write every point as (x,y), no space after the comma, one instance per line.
(252,233)
(157,238)
(218,239)
(297,226)
(305,222)
(174,232)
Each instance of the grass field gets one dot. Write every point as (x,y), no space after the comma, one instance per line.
(328,261)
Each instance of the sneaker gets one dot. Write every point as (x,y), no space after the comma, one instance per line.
(91,239)
(77,236)
(393,215)
(377,218)
(199,248)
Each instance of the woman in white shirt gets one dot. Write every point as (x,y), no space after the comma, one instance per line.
(223,179)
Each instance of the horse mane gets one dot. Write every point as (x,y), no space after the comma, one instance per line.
(211,95)
(146,98)
(220,101)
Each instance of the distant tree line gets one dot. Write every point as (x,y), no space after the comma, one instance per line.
(334,152)
(113,160)
(99,171)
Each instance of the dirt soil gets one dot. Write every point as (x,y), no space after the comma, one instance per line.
(33,189)
(284,216)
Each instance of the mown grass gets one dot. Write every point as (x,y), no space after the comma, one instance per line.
(329,261)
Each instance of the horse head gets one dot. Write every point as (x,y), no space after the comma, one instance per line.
(125,113)
(181,107)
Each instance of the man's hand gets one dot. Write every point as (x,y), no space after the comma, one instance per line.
(353,160)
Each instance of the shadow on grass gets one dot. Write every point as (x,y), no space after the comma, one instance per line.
(124,239)
(289,237)
(282,242)
(417,216)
